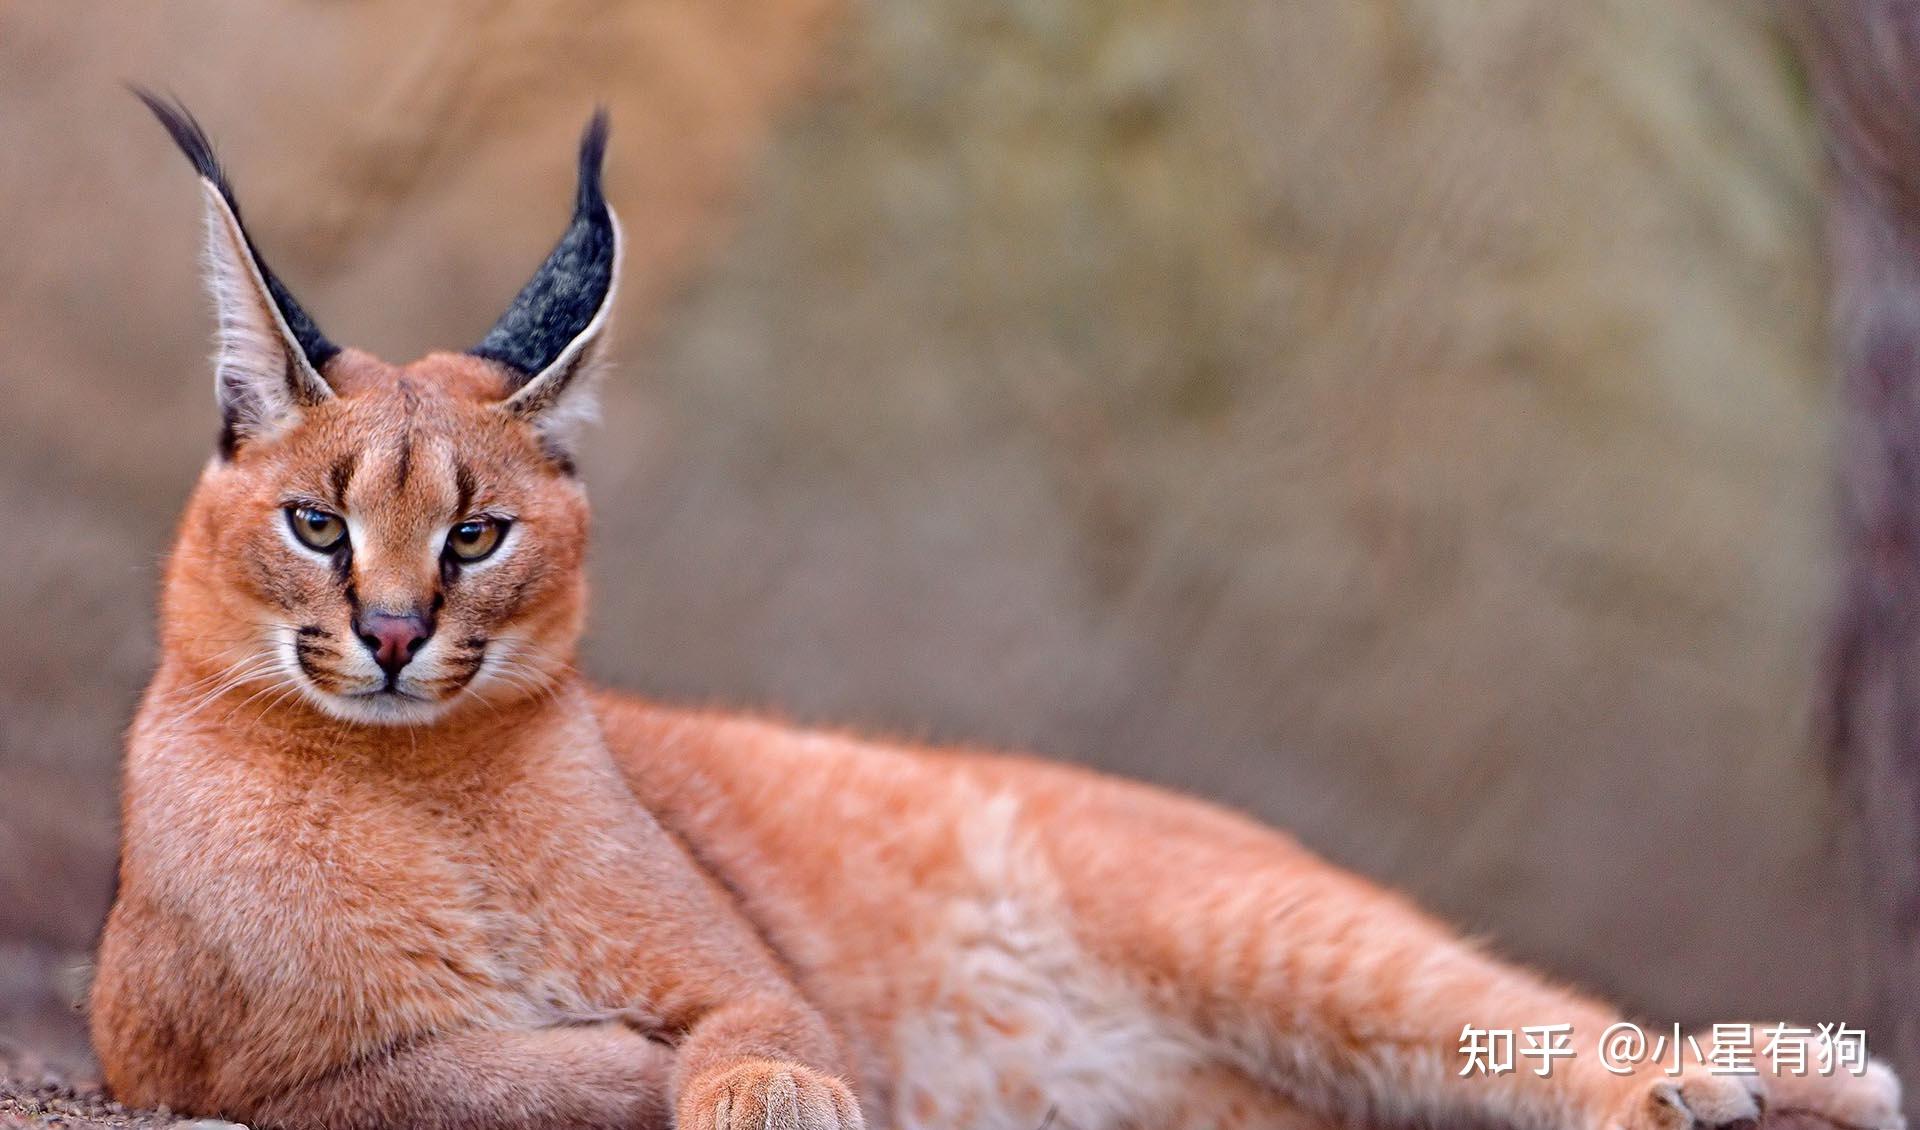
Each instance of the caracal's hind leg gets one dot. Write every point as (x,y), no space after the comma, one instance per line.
(1345,997)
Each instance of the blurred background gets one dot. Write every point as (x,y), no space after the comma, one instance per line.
(1407,420)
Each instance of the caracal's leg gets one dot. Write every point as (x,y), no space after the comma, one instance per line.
(1344,996)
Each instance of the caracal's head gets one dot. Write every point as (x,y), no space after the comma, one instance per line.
(388,543)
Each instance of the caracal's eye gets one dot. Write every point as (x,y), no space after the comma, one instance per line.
(317,528)
(475,538)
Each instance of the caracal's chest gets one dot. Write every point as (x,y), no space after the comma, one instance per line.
(409,902)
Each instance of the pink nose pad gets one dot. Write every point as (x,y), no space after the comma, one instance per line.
(393,639)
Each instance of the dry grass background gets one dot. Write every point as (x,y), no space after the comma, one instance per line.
(1405,419)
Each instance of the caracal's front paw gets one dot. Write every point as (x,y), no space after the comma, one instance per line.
(766,1094)
(1697,1099)
(1692,1100)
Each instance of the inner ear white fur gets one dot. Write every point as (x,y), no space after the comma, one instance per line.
(261,374)
(563,398)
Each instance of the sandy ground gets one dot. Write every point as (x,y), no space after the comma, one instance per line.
(32,1096)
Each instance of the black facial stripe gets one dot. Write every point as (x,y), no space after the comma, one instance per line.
(340,476)
(308,660)
(304,647)
(452,680)
(464,483)
(403,464)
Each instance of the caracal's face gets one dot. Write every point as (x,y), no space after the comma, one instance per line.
(407,545)
(388,543)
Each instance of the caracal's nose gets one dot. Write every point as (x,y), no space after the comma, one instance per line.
(393,638)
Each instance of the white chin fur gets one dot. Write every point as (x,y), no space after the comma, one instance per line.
(375,709)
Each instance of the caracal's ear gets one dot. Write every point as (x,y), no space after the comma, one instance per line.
(269,353)
(551,338)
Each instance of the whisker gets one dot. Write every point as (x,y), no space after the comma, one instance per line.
(292,688)
(288,676)
(248,647)
(242,674)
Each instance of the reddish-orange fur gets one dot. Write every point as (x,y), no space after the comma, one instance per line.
(524,902)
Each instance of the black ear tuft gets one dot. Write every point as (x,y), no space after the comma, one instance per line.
(185,130)
(593,154)
(568,291)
